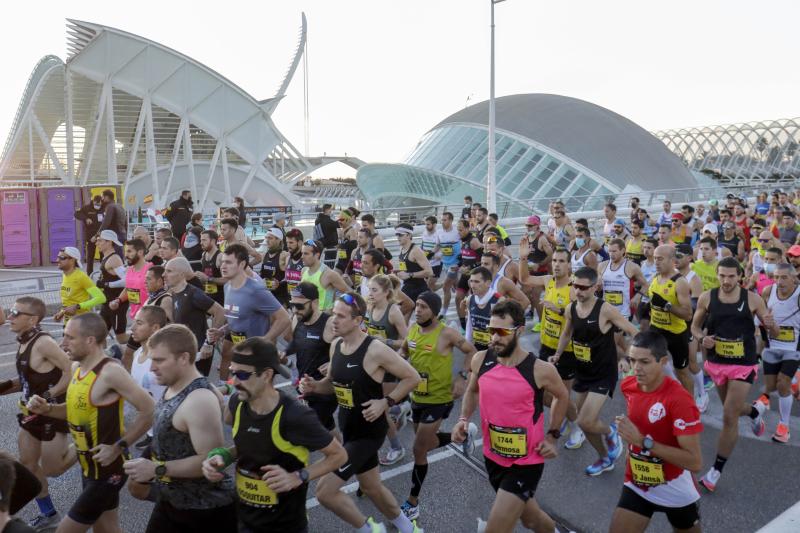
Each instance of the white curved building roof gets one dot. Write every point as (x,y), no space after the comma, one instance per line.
(141,114)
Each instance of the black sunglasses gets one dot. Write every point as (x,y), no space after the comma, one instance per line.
(243,375)
(17,312)
(298,306)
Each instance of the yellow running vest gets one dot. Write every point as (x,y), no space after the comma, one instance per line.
(661,318)
(633,249)
(92,424)
(435,368)
(552,322)
(707,273)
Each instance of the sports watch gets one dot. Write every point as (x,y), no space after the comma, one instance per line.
(647,443)
(303,475)
(555,433)
(161,469)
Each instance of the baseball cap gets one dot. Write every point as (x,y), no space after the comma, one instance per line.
(677,216)
(683,248)
(275,232)
(711,227)
(713,202)
(264,355)
(305,290)
(794,250)
(533,220)
(109,235)
(73,252)
(619,222)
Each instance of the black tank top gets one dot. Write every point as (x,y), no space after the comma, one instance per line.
(470,257)
(110,292)
(353,386)
(155,298)
(536,255)
(733,329)
(343,251)
(309,344)
(480,231)
(31,381)
(407,265)
(595,351)
(355,267)
(211,270)
(732,245)
(479,321)
(169,444)
(293,273)
(272,274)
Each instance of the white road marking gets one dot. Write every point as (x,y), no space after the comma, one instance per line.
(394,472)
(789,520)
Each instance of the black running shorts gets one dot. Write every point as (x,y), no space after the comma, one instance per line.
(519,480)
(679,517)
(98,496)
(362,456)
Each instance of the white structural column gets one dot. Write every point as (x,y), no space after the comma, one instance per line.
(30,151)
(188,159)
(225,176)
(34,120)
(150,146)
(211,168)
(87,162)
(111,140)
(137,137)
(175,148)
(70,133)
(491,192)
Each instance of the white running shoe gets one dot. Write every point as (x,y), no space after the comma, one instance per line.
(392,456)
(468,446)
(710,480)
(702,401)
(576,437)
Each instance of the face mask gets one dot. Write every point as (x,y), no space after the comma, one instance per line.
(467,205)
(97,206)
(580,242)
(532,234)
(770,268)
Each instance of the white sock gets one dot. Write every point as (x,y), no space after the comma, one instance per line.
(403,524)
(785,407)
(699,358)
(699,389)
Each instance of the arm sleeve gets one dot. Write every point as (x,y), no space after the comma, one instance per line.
(97,298)
(305,428)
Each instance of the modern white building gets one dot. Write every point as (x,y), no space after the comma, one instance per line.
(123,109)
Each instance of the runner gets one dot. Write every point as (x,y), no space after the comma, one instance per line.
(273,267)
(385,322)
(782,357)
(353,274)
(597,364)
(429,348)
(376,241)
(42,369)
(294,264)
(356,371)
(430,245)
(706,266)
(273,437)
(649,271)
(191,307)
(209,274)
(147,321)
(325,279)
(250,309)
(413,266)
(450,248)
(79,294)
(662,431)
(730,241)
(502,285)
(670,309)
(723,323)
(154,250)
(187,426)
(469,258)
(312,334)
(135,292)
(112,282)
(583,254)
(229,231)
(515,444)
(556,297)
(479,308)
(494,244)
(157,294)
(539,260)
(683,264)
(635,242)
(347,240)
(93,411)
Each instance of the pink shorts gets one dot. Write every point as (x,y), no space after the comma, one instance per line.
(721,374)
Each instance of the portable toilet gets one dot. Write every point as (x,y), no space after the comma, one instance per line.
(57,206)
(19,220)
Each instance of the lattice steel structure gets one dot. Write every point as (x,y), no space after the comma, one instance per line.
(740,154)
(547,146)
(124,109)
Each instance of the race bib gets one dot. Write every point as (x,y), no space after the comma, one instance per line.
(508,442)
(80,438)
(447,250)
(344,396)
(422,386)
(376,332)
(210,288)
(582,352)
(357,278)
(645,472)
(237,337)
(271,283)
(729,348)
(133,296)
(786,334)
(613,297)
(659,317)
(253,490)
(552,328)
(481,337)
(341,254)
(23,408)
(402,266)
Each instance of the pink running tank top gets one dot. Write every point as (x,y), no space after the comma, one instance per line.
(135,288)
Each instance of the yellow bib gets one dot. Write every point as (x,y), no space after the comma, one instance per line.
(254,491)
(508,442)
(646,472)
(344,396)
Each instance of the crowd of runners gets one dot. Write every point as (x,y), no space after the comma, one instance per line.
(664,306)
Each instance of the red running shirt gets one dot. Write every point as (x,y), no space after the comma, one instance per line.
(664,414)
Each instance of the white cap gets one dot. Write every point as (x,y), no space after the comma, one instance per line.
(74,253)
(710,227)
(109,235)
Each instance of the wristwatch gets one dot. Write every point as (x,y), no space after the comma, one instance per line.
(555,433)
(391,402)
(161,469)
(122,444)
(647,443)
(303,475)
(667,306)
(464,374)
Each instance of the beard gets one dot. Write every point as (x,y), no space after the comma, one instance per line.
(507,351)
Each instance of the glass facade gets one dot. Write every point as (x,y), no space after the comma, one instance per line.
(452,160)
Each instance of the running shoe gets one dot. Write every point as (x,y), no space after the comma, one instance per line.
(758,425)
(416,529)
(468,446)
(43,522)
(377,527)
(763,399)
(708,383)
(392,456)
(710,480)
(576,438)
(702,401)
(411,511)
(781,434)
(614,443)
(598,467)
(537,327)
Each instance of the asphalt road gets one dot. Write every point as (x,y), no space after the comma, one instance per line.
(759,483)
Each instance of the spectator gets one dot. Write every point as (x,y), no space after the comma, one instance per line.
(197,221)
(180,213)
(325,228)
(90,214)
(191,246)
(280,220)
(114,218)
(238,203)
(466,212)
(788,230)
(666,215)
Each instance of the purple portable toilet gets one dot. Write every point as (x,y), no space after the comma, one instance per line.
(57,206)
(20,228)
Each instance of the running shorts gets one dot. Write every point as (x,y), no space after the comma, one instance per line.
(42,428)
(605,385)
(116,321)
(362,456)
(721,374)
(519,480)
(678,346)
(566,365)
(678,517)
(98,496)
(165,517)
(428,413)
(780,361)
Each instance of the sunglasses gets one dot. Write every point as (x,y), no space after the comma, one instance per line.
(763,241)
(580,287)
(351,301)
(312,242)
(679,255)
(243,375)
(298,306)
(501,332)
(63,257)
(17,312)
(491,240)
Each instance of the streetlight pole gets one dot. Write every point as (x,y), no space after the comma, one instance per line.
(491,194)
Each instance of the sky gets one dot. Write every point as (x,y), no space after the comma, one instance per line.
(382,73)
